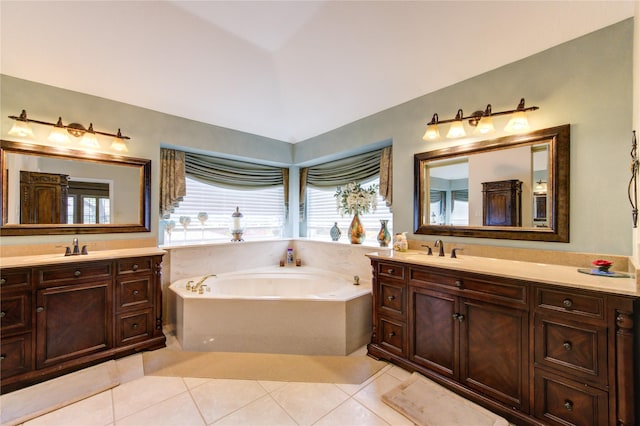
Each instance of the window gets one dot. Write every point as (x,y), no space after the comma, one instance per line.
(262,209)
(88,203)
(322,212)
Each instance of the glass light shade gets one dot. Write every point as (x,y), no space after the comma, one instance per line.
(456,130)
(119,145)
(485,125)
(518,122)
(59,135)
(90,140)
(21,129)
(431,133)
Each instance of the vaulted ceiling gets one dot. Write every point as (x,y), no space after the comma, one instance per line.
(288,70)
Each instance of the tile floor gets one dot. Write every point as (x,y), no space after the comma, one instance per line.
(183,401)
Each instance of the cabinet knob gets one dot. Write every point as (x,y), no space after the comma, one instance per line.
(454,316)
(3,281)
(567,303)
(567,346)
(568,405)
(390,271)
(392,334)
(77,274)
(2,314)
(135,292)
(135,267)
(391,298)
(134,326)
(459,283)
(39,309)
(2,357)
(460,317)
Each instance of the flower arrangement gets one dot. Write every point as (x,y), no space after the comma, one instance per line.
(354,199)
(602,265)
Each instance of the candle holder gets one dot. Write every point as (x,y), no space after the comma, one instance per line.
(236,227)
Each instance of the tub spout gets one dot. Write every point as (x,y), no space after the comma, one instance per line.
(198,285)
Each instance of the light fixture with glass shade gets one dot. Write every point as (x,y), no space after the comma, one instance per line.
(482,120)
(60,131)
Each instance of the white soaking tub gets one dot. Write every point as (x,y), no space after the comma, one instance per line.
(291,310)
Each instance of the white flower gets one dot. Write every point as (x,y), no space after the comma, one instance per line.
(354,199)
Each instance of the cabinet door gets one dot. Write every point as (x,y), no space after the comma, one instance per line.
(73,321)
(434,332)
(494,351)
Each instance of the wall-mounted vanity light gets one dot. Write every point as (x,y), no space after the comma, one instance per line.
(481,120)
(60,132)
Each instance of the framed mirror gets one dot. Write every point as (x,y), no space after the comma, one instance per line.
(513,187)
(49,190)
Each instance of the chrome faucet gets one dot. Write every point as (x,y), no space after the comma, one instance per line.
(440,244)
(199,284)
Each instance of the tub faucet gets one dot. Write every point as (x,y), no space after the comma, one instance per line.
(198,285)
(440,244)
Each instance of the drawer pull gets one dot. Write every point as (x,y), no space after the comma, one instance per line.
(2,314)
(135,267)
(568,405)
(39,309)
(2,357)
(391,298)
(390,271)
(134,326)
(3,281)
(567,303)
(392,334)
(135,292)
(77,274)
(459,283)
(567,346)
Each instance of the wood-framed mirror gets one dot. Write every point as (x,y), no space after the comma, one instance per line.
(513,187)
(48,190)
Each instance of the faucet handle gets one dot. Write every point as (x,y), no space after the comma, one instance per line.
(429,251)
(84,250)
(453,252)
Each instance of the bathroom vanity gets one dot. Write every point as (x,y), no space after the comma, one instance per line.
(535,343)
(63,313)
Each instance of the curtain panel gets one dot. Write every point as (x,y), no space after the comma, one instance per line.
(386,175)
(172,180)
(232,173)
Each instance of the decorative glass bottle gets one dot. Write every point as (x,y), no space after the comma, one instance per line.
(335,232)
(384,236)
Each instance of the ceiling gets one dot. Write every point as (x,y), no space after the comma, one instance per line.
(286,70)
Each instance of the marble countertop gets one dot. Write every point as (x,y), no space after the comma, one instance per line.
(537,272)
(61,259)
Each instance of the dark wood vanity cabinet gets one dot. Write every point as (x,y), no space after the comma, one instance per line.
(532,353)
(502,203)
(60,318)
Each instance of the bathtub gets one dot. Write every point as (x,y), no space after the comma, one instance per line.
(290,310)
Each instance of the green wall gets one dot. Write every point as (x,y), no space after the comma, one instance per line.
(586,82)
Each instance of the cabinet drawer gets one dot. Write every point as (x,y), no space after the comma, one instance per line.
(135,264)
(576,348)
(391,336)
(134,326)
(135,292)
(15,355)
(570,302)
(562,402)
(79,271)
(391,270)
(392,299)
(15,312)
(15,279)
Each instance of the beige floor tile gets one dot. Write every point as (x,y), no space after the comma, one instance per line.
(352,389)
(271,386)
(94,411)
(218,398)
(130,368)
(370,397)
(143,393)
(193,382)
(264,412)
(398,372)
(296,399)
(351,412)
(179,410)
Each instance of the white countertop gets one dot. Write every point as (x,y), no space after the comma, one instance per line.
(537,272)
(61,259)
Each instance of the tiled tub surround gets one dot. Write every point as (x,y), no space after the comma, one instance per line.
(289,310)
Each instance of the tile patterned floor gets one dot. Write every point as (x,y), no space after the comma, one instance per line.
(183,401)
